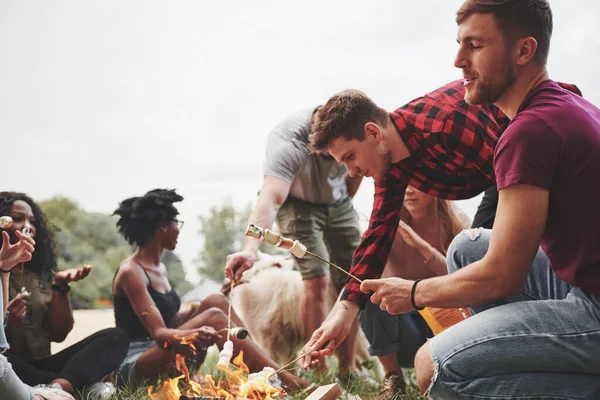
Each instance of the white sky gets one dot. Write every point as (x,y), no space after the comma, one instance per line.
(102,100)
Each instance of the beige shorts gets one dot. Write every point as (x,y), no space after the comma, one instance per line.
(331,231)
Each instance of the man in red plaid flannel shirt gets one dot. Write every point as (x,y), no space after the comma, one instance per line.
(437,143)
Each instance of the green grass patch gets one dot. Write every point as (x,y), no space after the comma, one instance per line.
(353,385)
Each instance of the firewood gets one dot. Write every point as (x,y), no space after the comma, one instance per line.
(327,392)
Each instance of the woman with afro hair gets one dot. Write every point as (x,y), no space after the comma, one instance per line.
(42,313)
(149,310)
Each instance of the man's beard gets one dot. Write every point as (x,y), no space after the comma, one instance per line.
(488,91)
(386,166)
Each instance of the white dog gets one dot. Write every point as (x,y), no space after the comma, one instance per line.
(268,304)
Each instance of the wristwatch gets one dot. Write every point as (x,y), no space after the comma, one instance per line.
(64,288)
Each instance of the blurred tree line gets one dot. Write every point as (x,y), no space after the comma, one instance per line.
(84,237)
(223,231)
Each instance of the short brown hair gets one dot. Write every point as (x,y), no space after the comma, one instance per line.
(516,19)
(344,115)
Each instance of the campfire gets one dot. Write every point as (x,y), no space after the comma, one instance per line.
(238,383)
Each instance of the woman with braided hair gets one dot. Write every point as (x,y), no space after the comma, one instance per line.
(149,310)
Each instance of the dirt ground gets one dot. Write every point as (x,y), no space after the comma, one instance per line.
(86,323)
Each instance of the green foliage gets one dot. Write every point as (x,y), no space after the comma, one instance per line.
(139,390)
(176,272)
(223,233)
(92,238)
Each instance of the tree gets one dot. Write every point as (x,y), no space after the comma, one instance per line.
(176,273)
(92,238)
(223,233)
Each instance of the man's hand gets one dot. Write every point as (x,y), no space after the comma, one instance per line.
(71,275)
(17,308)
(330,334)
(238,263)
(14,254)
(392,294)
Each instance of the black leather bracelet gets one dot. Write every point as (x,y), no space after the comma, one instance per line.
(412,295)
(61,288)
(6,271)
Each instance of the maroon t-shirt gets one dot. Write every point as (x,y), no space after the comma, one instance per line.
(554,143)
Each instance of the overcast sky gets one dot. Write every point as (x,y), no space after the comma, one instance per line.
(102,100)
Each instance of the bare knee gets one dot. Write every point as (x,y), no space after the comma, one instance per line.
(424,367)
(214,317)
(216,300)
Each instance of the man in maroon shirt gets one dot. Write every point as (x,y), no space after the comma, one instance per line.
(547,167)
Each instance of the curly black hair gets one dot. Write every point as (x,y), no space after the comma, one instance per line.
(141,216)
(44,256)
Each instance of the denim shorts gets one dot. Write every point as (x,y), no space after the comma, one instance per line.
(127,368)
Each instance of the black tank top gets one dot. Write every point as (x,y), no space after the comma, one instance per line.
(125,317)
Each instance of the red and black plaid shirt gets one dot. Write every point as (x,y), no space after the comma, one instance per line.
(451,147)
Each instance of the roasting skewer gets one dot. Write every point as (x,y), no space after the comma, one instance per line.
(294,246)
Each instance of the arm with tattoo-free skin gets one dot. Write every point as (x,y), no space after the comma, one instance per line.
(272,195)
(61,313)
(435,261)
(518,229)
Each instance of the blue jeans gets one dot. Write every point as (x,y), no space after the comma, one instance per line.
(402,334)
(542,344)
(11,387)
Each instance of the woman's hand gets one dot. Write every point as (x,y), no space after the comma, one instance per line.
(17,308)
(411,237)
(13,254)
(207,336)
(71,275)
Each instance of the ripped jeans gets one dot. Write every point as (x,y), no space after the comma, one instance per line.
(542,344)
(11,387)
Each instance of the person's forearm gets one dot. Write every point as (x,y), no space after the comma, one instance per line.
(435,261)
(470,286)
(61,316)
(343,309)
(167,335)
(263,215)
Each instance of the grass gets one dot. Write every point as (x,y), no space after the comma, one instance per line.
(354,386)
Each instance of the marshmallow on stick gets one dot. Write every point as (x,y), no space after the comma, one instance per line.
(275,239)
(5,222)
(225,356)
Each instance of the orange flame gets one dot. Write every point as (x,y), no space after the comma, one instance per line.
(188,340)
(235,386)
